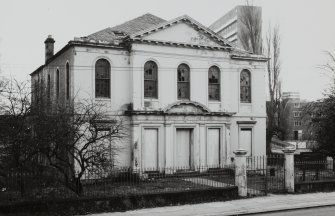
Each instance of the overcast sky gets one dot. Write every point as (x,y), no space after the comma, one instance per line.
(307,29)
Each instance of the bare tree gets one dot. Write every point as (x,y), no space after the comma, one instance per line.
(79,140)
(251,30)
(329,66)
(69,140)
(274,108)
(15,137)
(251,39)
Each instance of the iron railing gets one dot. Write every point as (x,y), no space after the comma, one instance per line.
(314,170)
(265,174)
(21,185)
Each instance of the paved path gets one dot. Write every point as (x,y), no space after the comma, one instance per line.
(238,207)
(207,182)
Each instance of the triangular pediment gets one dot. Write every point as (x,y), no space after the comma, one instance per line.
(182,33)
(183,30)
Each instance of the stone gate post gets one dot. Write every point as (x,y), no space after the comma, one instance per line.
(289,169)
(241,172)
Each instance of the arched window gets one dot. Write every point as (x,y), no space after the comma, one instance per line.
(150,80)
(48,87)
(214,83)
(57,83)
(183,85)
(67,80)
(102,78)
(245,87)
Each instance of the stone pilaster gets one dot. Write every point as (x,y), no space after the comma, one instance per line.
(289,169)
(241,172)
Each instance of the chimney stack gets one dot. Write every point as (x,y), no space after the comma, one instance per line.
(49,48)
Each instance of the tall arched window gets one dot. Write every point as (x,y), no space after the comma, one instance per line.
(67,73)
(48,87)
(57,83)
(183,85)
(214,83)
(150,80)
(245,87)
(102,78)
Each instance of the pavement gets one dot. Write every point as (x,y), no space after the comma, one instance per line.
(270,203)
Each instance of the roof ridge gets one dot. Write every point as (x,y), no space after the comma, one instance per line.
(126,28)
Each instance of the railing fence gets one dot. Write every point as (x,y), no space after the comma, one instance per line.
(265,174)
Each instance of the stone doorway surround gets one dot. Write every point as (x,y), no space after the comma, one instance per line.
(180,115)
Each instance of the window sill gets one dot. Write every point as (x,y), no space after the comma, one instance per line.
(246,104)
(102,99)
(151,99)
(214,102)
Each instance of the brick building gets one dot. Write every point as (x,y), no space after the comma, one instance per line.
(296,119)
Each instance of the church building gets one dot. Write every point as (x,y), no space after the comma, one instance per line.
(190,96)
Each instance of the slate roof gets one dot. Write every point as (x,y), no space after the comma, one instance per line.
(132,26)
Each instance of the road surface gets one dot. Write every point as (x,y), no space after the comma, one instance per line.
(318,211)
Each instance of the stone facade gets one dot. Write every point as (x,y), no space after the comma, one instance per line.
(165,131)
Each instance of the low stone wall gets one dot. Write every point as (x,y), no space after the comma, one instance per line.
(315,186)
(110,204)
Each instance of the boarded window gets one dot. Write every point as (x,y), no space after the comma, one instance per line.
(214,83)
(102,78)
(245,85)
(67,81)
(57,83)
(245,140)
(150,80)
(183,86)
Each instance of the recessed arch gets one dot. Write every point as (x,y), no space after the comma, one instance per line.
(245,86)
(102,78)
(150,79)
(57,82)
(183,81)
(67,81)
(214,83)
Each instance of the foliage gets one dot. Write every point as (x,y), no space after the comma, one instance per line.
(323,123)
(322,114)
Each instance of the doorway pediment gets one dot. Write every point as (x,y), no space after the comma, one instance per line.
(186,107)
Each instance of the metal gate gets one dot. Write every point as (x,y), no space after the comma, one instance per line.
(265,174)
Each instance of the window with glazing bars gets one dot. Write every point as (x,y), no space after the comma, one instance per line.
(214,83)
(183,85)
(150,80)
(102,78)
(245,87)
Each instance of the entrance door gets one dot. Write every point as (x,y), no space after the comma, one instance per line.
(183,148)
(213,147)
(150,149)
(246,140)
